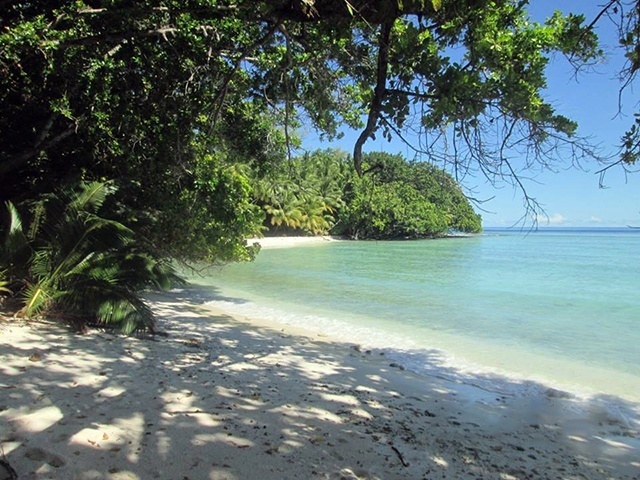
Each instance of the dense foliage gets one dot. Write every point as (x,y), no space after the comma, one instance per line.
(321,193)
(304,194)
(146,93)
(404,200)
(626,16)
(88,92)
(86,269)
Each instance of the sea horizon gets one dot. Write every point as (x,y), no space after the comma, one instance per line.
(568,228)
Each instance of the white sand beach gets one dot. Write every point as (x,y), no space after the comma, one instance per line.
(234,398)
(294,241)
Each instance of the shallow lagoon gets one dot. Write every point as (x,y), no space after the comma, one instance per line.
(508,309)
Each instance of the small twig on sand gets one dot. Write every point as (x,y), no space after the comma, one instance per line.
(399,455)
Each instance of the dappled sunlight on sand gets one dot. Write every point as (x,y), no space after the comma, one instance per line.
(222,398)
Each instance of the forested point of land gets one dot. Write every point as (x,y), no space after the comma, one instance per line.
(137,134)
(320,193)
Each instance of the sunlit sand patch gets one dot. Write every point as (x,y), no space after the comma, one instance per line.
(349,474)
(305,412)
(229,343)
(440,461)
(223,438)
(359,412)
(363,388)
(286,242)
(444,391)
(615,444)
(343,399)
(242,367)
(121,433)
(226,392)
(112,391)
(177,401)
(205,419)
(94,438)
(40,420)
(310,368)
(221,360)
(375,404)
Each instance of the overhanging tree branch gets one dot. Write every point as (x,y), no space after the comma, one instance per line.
(378,93)
(118,37)
(375,12)
(18,161)
(222,93)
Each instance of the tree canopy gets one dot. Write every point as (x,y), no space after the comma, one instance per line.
(181,103)
(625,14)
(139,90)
(401,199)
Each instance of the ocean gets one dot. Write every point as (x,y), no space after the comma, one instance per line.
(509,311)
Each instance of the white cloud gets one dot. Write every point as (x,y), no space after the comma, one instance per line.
(555,219)
(595,219)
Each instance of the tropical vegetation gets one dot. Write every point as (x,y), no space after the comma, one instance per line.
(304,194)
(321,193)
(401,199)
(189,113)
(74,264)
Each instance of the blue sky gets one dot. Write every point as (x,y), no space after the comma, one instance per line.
(569,196)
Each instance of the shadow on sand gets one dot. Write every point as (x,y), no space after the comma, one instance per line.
(221,399)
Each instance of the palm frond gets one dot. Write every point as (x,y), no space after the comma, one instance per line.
(93,235)
(86,267)
(36,298)
(4,283)
(91,196)
(42,263)
(15,245)
(129,314)
(96,302)
(165,276)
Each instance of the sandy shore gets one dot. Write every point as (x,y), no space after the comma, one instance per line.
(225,398)
(286,242)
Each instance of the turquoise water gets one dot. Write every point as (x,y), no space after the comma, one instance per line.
(510,310)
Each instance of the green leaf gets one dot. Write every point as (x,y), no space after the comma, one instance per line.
(36,298)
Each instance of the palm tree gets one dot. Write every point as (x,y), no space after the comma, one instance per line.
(82,267)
